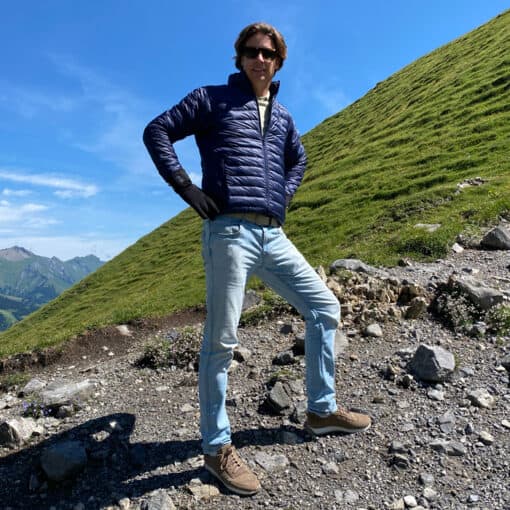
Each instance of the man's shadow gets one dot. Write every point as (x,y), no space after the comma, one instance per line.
(115,467)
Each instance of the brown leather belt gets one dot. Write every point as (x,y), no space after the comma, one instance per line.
(259,219)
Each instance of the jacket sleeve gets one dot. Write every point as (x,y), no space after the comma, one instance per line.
(295,161)
(184,119)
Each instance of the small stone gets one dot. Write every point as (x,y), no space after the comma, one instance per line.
(234,364)
(330,468)
(400,461)
(407,427)
(486,438)
(187,408)
(287,329)
(481,398)
(271,462)
(457,248)
(124,504)
(436,395)
(123,330)
(397,447)
(398,505)
(455,449)
(158,500)
(373,330)
(242,354)
(410,501)
(426,479)
(506,424)
(204,492)
(429,494)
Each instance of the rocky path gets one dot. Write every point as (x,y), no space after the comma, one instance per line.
(135,441)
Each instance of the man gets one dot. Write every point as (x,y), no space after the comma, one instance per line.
(252,163)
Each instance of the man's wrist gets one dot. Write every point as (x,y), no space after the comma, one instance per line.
(180,180)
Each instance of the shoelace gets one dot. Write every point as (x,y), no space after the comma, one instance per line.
(231,461)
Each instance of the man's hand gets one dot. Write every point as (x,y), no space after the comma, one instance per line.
(203,205)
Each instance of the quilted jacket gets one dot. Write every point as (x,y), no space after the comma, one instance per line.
(243,170)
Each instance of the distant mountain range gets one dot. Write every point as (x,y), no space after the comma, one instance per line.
(28,281)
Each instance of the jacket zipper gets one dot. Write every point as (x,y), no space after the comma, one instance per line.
(264,150)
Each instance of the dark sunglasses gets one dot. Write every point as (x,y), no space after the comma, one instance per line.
(250,52)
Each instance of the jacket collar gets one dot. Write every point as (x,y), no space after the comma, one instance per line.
(241,81)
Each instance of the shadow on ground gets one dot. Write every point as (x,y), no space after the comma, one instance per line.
(116,468)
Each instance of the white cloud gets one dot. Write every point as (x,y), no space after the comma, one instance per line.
(11,214)
(16,192)
(28,102)
(66,188)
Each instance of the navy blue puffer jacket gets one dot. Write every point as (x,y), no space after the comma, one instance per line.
(242,170)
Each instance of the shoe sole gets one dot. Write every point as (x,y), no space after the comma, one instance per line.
(232,488)
(331,429)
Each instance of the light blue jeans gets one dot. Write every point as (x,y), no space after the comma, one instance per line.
(233,250)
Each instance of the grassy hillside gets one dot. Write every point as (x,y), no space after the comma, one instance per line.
(388,161)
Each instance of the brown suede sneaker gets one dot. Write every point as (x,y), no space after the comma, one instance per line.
(340,421)
(231,470)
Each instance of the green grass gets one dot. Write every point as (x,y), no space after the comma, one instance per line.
(390,160)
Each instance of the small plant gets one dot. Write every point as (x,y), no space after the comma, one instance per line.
(272,305)
(35,409)
(14,380)
(457,311)
(498,320)
(178,348)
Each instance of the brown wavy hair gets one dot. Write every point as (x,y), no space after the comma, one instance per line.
(266,29)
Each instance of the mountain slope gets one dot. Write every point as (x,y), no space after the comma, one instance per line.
(28,281)
(390,160)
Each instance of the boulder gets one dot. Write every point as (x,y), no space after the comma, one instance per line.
(496,239)
(63,460)
(58,394)
(432,363)
(16,431)
(477,292)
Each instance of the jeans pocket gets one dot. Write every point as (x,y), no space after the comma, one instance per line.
(227,231)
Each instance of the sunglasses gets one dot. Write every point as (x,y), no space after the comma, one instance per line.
(250,52)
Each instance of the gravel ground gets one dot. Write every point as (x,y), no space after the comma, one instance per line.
(430,449)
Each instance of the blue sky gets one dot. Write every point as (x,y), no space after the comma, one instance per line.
(81,79)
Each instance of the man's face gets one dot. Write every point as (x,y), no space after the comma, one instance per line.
(260,70)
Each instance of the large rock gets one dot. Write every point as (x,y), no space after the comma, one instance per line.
(279,397)
(432,363)
(59,394)
(496,239)
(356,266)
(33,386)
(64,460)
(477,292)
(16,431)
